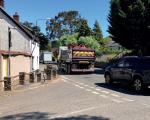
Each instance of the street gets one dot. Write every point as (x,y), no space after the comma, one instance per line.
(76,97)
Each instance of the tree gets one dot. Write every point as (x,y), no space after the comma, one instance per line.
(84,30)
(35,30)
(129,24)
(65,23)
(68,39)
(97,33)
(90,42)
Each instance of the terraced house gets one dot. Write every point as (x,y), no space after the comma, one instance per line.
(19,52)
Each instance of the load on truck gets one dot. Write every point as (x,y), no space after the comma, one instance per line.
(46,57)
(76,59)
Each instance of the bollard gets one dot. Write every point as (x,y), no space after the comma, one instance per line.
(54,73)
(7,83)
(49,67)
(38,77)
(31,77)
(21,78)
(49,74)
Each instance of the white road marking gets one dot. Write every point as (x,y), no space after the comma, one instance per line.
(144,104)
(98,89)
(95,93)
(79,86)
(85,85)
(117,101)
(129,100)
(81,83)
(92,87)
(72,113)
(115,95)
(77,82)
(88,90)
(104,96)
(106,92)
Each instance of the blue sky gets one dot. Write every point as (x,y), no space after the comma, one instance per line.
(31,10)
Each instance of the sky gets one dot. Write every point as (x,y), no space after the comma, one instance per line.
(33,10)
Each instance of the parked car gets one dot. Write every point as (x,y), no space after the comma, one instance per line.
(132,70)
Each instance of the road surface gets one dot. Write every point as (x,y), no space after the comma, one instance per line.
(76,97)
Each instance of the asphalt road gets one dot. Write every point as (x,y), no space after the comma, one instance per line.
(76,97)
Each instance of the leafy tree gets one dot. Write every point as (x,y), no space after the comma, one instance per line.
(49,47)
(68,39)
(65,23)
(97,33)
(43,41)
(90,42)
(35,30)
(55,44)
(129,24)
(84,30)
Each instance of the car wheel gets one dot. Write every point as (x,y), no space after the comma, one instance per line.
(108,79)
(137,84)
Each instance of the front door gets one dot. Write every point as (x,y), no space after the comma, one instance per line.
(5,66)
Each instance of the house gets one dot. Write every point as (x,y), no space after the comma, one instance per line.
(19,52)
(35,48)
(114,46)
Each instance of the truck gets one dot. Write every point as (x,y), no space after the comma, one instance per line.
(77,58)
(46,57)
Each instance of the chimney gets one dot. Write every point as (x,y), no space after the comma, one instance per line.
(2,3)
(16,17)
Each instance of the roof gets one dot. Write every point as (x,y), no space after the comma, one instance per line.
(31,32)
(17,24)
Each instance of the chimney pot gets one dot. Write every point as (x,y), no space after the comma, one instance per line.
(16,17)
(2,3)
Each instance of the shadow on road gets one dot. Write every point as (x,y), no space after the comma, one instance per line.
(46,116)
(122,88)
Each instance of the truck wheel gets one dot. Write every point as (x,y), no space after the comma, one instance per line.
(68,69)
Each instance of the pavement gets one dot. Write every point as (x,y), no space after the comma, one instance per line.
(76,97)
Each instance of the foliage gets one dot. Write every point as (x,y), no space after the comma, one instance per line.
(65,23)
(90,42)
(97,33)
(43,41)
(55,44)
(129,24)
(49,47)
(84,30)
(68,39)
(35,30)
